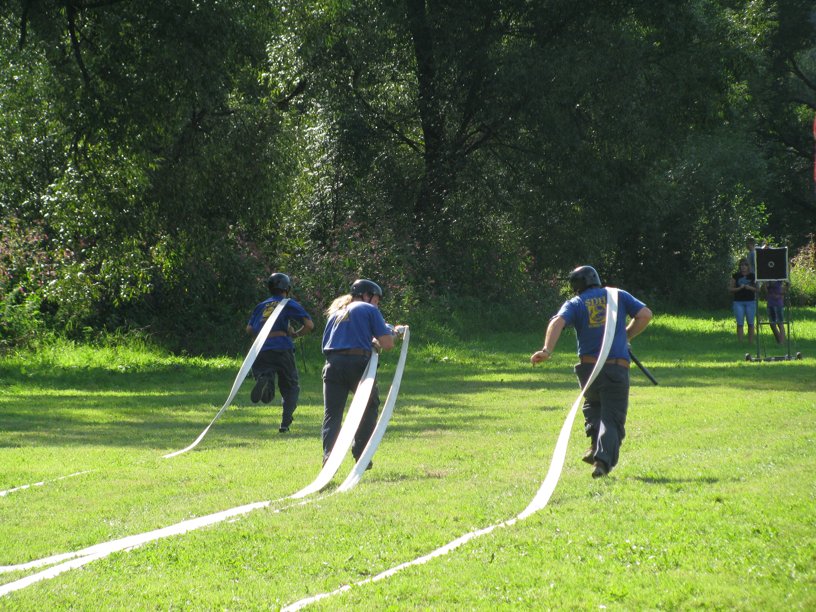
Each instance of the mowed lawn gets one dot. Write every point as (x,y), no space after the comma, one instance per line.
(711,506)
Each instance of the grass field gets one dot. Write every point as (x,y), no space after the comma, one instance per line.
(713,504)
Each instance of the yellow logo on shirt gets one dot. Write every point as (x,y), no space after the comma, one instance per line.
(270,308)
(597,311)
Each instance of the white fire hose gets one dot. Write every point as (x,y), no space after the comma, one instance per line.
(72,560)
(542,496)
(246,366)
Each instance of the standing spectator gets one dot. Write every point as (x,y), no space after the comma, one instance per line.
(750,256)
(776,308)
(744,290)
(606,401)
(354,328)
(277,356)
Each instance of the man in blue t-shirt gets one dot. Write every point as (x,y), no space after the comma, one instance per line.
(607,399)
(750,255)
(277,356)
(354,328)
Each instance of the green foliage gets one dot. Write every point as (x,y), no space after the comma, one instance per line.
(21,322)
(24,269)
(780,89)
(350,252)
(169,156)
(624,173)
(803,275)
(187,307)
(700,211)
(145,180)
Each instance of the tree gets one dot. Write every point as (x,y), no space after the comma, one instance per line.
(783,105)
(520,138)
(163,153)
(161,157)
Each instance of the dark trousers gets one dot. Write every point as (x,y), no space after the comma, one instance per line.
(605,405)
(280,365)
(341,375)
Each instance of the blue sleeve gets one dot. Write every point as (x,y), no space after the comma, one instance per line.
(567,312)
(631,304)
(295,311)
(257,317)
(378,324)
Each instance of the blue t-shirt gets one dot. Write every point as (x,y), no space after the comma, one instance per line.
(264,310)
(587,314)
(354,327)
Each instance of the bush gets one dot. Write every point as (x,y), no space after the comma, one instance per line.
(803,276)
(321,273)
(25,268)
(20,321)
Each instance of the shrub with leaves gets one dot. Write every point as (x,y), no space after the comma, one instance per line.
(803,275)
(25,267)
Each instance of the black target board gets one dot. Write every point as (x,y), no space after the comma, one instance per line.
(772,264)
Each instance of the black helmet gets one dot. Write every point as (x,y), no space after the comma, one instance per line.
(362,286)
(584,277)
(279,281)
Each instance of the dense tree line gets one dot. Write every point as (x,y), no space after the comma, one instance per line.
(160,158)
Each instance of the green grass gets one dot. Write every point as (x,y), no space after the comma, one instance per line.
(712,505)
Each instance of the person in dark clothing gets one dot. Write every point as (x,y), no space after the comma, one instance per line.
(606,401)
(743,288)
(277,356)
(355,327)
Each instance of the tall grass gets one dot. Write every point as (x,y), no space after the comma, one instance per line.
(710,507)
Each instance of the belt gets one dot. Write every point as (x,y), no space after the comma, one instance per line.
(593,359)
(277,334)
(353,351)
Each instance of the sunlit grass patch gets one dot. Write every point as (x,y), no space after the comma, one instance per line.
(711,505)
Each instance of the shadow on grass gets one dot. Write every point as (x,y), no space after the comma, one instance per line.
(151,409)
(167,406)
